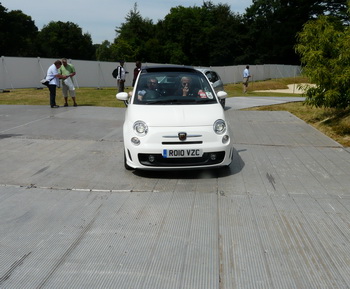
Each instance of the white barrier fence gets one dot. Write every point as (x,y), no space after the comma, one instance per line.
(21,72)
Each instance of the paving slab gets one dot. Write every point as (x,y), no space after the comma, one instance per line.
(72,217)
(241,102)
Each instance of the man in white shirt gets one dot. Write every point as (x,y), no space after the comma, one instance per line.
(121,76)
(246,76)
(53,77)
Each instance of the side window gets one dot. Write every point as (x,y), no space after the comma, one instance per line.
(204,84)
(209,75)
(214,76)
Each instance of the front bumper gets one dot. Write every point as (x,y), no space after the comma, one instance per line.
(148,153)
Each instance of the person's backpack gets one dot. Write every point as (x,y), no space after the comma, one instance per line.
(115,72)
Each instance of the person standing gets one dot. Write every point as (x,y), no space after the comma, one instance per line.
(137,70)
(246,76)
(53,76)
(121,76)
(68,70)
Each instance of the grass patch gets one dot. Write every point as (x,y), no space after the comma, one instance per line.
(85,96)
(237,88)
(334,123)
(89,96)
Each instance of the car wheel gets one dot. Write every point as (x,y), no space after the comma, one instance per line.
(127,167)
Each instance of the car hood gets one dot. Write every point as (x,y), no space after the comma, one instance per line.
(176,115)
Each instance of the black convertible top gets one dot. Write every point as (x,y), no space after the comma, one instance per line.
(168,68)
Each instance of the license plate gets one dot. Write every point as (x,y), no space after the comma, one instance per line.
(186,153)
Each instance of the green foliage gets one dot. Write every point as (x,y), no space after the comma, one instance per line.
(324,46)
(122,50)
(133,35)
(17,33)
(273,25)
(65,39)
(103,51)
(206,35)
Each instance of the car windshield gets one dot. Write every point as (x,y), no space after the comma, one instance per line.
(173,87)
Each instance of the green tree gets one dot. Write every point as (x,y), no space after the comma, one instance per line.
(17,33)
(103,51)
(65,39)
(206,35)
(133,35)
(225,34)
(122,50)
(324,47)
(182,35)
(273,25)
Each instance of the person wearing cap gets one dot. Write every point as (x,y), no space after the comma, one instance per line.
(121,76)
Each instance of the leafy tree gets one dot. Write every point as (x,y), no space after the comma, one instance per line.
(206,35)
(17,33)
(103,51)
(65,39)
(324,46)
(182,30)
(273,25)
(122,50)
(133,34)
(226,33)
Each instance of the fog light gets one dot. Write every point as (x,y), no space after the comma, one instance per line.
(151,158)
(135,141)
(213,157)
(225,139)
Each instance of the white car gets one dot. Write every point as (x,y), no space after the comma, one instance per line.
(174,120)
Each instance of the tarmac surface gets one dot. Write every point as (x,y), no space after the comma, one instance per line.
(71,216)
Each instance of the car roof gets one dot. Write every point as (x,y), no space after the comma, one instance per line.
(204,69)
(166,68)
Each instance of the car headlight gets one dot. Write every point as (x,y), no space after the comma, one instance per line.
(140,128)
(219,126)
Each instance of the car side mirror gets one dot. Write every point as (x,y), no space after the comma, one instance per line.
(221,94)
(122,96)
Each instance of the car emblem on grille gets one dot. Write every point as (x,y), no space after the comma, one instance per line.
(182,135)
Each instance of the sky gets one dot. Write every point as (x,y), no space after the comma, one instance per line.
(100,18)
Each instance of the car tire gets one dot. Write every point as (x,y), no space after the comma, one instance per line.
(126,166)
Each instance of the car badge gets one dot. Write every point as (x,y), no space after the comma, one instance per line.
(182,135)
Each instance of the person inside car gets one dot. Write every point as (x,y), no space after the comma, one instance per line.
(151,91)
(187,88)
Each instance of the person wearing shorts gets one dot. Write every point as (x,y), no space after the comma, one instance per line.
(68,70)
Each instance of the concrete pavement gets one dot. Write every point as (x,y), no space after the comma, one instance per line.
(72,217)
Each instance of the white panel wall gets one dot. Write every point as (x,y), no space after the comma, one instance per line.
(21,72)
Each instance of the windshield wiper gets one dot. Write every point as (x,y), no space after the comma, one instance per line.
(158,102)
(179,101)
(205,100)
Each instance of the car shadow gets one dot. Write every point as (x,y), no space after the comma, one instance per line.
(3,136)
(235,167)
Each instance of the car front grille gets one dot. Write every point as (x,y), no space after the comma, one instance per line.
(160,161)
(181,143)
